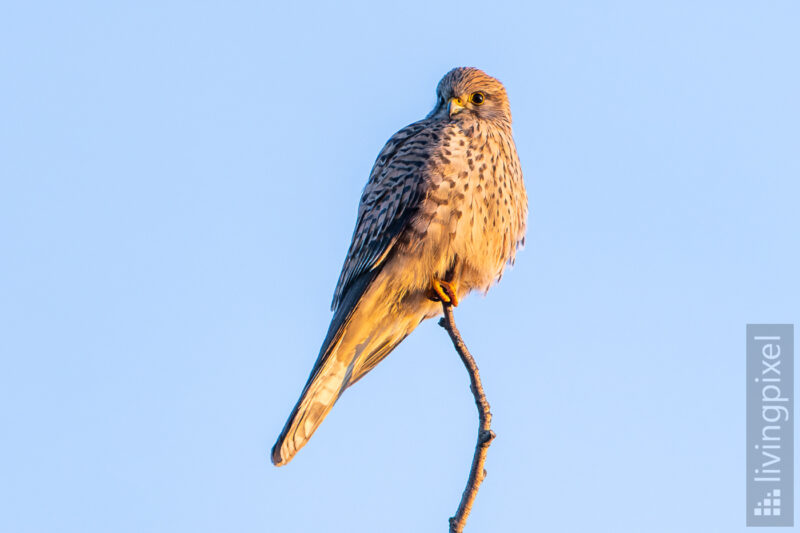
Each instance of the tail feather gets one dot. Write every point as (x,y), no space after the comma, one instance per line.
(355,343)
(317,399)
(325,384)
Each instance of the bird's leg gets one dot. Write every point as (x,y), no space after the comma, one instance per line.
(444,291)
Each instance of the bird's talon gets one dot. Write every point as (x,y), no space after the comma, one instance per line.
(444,291)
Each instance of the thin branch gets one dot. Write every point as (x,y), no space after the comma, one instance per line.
(485,433)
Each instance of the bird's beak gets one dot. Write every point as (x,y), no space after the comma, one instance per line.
(455,105)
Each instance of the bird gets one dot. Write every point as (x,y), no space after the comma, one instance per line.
(443,213)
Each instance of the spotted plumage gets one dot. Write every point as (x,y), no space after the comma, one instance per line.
(445,201)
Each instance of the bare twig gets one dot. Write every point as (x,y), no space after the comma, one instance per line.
(485,433)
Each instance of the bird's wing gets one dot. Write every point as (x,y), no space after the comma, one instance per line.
(397,186)
(392,196)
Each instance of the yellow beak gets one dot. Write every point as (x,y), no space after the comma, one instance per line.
(455,105)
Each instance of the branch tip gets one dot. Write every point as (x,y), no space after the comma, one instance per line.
(485,434)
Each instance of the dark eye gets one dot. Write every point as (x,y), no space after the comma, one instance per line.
(477,98)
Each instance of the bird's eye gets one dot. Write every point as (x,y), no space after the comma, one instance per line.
(477,98)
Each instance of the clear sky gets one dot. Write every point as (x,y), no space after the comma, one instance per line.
(179,183)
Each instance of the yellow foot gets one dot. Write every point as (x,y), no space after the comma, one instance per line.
(443,291)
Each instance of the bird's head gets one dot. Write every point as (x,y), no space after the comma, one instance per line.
(469,93)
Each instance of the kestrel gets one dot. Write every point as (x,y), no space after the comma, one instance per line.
(444,211)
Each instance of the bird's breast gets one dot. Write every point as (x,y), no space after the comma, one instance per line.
(475,209)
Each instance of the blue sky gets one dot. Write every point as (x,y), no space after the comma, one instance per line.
(179,184)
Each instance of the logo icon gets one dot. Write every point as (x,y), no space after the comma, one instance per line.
(770,505)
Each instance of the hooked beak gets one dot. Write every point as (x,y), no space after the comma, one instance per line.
(455,105)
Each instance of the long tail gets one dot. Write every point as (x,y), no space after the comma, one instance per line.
(362,333)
